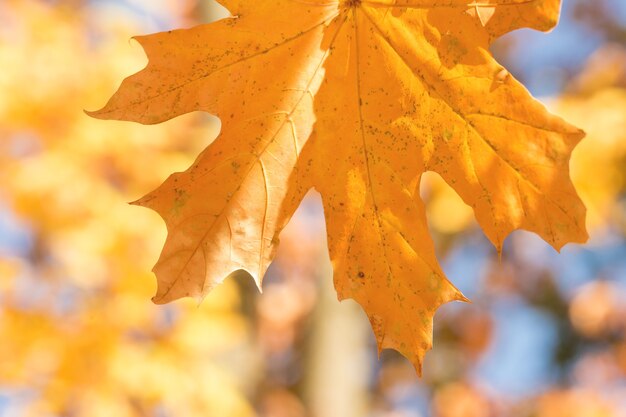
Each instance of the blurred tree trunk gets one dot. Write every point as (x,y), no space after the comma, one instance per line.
(339,366)
(209,10)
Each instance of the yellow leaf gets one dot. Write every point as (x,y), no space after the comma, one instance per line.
(356,99)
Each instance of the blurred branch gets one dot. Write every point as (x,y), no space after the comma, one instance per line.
(598,15)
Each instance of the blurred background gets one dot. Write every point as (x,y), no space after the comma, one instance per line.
(79,337)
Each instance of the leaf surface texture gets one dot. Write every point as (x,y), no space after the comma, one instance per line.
(356,99)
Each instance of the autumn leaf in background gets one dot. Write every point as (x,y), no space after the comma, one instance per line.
(357,100)
(78,334)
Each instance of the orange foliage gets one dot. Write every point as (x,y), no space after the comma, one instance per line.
(574,403)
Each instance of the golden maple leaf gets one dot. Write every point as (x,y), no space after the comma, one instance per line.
(357,99)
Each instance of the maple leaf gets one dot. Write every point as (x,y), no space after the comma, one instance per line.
(356,99)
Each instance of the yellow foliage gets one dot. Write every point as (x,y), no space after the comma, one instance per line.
(599,163)
(75,326)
